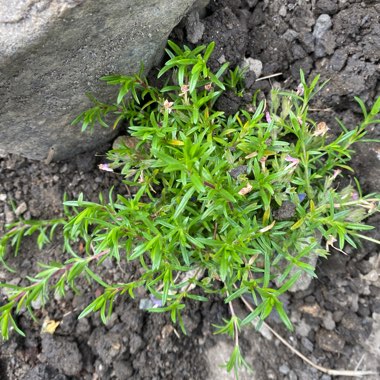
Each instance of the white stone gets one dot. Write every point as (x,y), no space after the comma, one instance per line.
(254,65)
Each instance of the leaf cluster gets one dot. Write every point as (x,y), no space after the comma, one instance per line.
(208,211)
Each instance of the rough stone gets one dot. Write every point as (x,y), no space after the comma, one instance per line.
(21,208)
(324,39)
(194,27)
(322,25)
(328,321)
(54,51)
(284,369)
(254,65)
(307,344)
(327,6)
(329,341)
(302,328)
(338,60)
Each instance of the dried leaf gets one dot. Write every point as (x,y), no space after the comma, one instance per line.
(245,190)
(49,326)
(267,228)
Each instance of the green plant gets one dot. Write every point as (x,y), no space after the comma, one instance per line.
(205,214)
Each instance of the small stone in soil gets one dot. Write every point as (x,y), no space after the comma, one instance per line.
(371,276)
(194,27)
(328,322)
(9,216)
(284,369)
(307,344)
(254,65)
(21,208)
(329,341)
(303,328)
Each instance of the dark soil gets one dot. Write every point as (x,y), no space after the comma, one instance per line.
(337,319)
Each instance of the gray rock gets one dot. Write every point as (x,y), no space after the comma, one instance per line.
(324,39)
(284,369)
(254,65)
(194,27)
(302,328)
(21,208)
(307,344)
(290,35)
(328,321)
(338,60)
(283,11)
(307,41)
(327,6)
(53,52)
(322,25)
(329,341)
(9,216)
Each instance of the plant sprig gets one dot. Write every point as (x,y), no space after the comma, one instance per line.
(210,213)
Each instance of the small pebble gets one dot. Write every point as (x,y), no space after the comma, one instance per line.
(303,328)
(63,169)
(282,12)
(22,207)
(254,65)
(338,315)
(330,341)
(222,59)
(372,276)
(307,344)
(37,303)
(284,369)
(328,321)
(145,303)
(3,197)
(9,216)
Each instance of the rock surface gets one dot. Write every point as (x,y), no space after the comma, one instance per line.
(53,51)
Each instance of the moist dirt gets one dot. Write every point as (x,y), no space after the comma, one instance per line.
(336,319)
